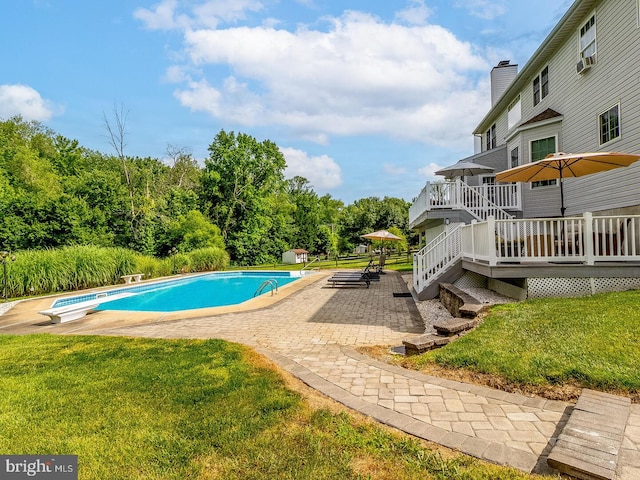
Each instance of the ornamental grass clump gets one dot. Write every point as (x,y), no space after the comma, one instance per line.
(208,259)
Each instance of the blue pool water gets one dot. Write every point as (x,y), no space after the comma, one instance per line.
(210,290)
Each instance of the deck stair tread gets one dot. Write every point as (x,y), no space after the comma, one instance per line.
(590,442)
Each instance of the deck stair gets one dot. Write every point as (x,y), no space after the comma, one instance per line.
(590,442)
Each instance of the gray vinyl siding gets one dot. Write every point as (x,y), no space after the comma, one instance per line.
(580,99)
(613,80)
(494,158)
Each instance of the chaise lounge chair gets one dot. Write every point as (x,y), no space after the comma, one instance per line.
(350,279)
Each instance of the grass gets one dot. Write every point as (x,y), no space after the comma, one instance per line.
(400,262)
(591,342)
(186,409)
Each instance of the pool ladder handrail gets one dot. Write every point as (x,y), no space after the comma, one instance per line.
(317,259)
(267,283)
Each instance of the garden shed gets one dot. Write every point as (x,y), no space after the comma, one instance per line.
(295,255)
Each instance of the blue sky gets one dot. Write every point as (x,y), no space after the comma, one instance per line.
(364,98)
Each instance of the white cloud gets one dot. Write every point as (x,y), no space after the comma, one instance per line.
(416,14)
(214,12)
(25,101)
(361,77)
(321,171)
(393,169)
(484,9)
(429,171)
(162,16)
(208,14)
(177,74)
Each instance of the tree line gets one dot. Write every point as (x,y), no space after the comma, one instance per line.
(54,193)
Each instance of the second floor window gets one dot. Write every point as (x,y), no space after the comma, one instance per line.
(514,113)
(610,124)
(588,38)
(541,86)
(544,82)
(491,137)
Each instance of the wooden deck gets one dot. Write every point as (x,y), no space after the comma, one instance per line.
(630,269)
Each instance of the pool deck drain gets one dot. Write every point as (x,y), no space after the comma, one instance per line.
(313,331)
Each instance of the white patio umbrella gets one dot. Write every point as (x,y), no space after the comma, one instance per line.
(562,165)
(464,169)
(381,235)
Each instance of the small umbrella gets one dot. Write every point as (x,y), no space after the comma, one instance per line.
(464,169)
(562,165)
(381,235)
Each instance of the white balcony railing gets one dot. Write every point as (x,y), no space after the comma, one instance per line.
(586,239)
(436,257)
(481,202)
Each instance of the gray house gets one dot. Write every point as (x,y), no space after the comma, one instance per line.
(579,92)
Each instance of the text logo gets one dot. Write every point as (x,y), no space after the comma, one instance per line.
(43,467)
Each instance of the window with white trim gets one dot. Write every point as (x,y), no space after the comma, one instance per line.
(514,113)
(541,86)
(587,44)
(539,149)
(515,157)
(491,137)
(609,124)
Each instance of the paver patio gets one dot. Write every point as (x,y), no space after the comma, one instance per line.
(312,333)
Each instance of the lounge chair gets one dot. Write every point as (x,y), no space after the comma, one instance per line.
(350,278)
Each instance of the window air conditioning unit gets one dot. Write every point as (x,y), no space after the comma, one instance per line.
(585,63)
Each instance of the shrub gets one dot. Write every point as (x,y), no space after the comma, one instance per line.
(208,259)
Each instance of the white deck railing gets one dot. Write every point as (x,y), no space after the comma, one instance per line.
(586,239)
(436,257)
(481,202)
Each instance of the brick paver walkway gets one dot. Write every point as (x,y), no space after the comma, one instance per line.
(312,333)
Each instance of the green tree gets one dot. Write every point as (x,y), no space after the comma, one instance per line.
(241,181)
(192,231)
(306,214)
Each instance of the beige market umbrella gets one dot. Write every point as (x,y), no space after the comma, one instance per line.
(381,235)
(563,165)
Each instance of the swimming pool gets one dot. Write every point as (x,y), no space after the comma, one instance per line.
(202,291)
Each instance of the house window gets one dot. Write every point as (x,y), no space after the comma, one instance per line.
(514,113)
(515,157)
(541,86)
(540,149)
(588,38)
(610,124)
(544,82)
(491,137)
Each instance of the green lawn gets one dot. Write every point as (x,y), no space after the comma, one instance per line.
(186,409)
(397,261)
(592,342)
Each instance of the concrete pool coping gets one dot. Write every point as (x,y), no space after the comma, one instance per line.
(23,317)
